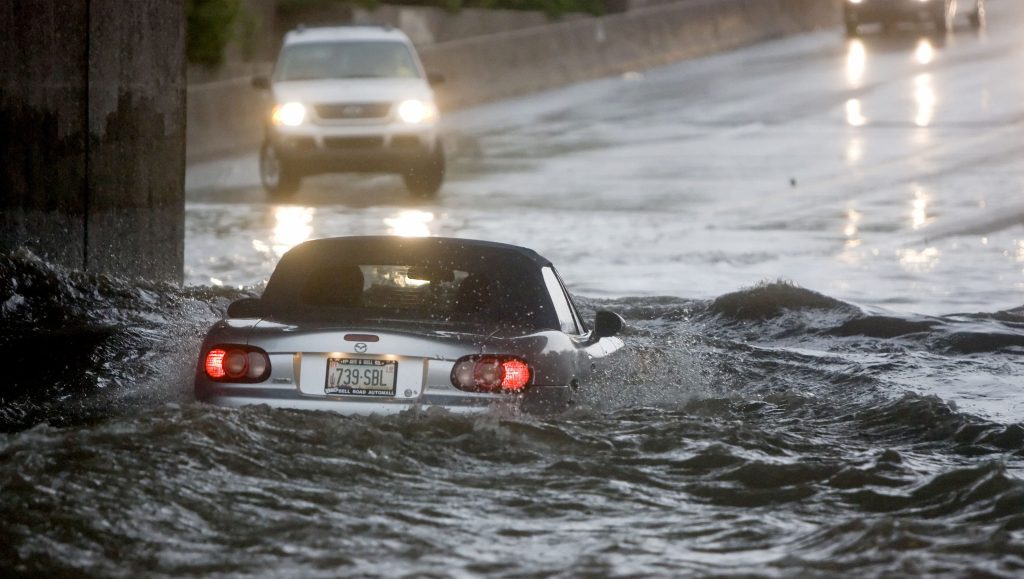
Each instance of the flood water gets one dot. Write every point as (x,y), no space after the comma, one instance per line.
(823,373)
(770,432)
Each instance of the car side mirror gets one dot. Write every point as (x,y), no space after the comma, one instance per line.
(435,79)
(245,308)
(607,324)
(261,82)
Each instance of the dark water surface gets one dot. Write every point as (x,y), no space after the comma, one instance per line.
(773,431)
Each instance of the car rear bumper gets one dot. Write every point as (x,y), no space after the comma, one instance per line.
(540,400)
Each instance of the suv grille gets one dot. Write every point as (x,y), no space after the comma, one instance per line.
(354,142)
(335,111)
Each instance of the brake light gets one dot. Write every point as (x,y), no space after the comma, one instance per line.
(237,364)
(491,374)
(215,363)
(517,375)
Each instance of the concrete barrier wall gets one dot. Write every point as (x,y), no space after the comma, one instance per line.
(427,25)
(515,63)
(225,116)
(92,113)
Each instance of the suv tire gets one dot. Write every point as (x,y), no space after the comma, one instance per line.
(977,17)
(424,178)
(277,176)
(944,17)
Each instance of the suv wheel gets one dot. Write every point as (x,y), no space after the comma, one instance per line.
(424,178)
(977,17)
(278,177)
(944,16)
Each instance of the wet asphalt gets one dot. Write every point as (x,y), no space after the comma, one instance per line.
(885,170)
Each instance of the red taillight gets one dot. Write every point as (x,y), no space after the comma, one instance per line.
(237,364)
(517,375)
(215,363)
(490,374)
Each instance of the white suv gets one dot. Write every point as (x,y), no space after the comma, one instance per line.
(350,99)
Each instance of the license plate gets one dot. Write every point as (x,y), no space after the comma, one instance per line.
(359,377)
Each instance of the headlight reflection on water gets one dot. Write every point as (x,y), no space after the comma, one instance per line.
(919,261)
(851,229)
(292,225)
(856,63)
(854,116)
(410,223)
(919,213)
(854,150)
(924,96)
(925,52)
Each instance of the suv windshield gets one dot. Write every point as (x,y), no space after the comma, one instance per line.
(350,59)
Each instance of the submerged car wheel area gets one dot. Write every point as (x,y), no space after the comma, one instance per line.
(940,14)
(350,99)
(377,325)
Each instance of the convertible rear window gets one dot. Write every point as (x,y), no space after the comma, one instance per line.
(402,290)
(438,282)
(414,293)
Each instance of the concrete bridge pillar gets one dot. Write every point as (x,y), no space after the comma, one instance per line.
(92,133)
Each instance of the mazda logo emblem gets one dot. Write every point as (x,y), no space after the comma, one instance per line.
(361,347)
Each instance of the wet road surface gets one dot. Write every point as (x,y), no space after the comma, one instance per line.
(886,170)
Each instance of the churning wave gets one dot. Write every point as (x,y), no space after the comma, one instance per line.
(86,345)
(89,344)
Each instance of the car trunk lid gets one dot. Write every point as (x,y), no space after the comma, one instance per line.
(360,363)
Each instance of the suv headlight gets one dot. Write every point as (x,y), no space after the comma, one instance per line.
(288,114)
(415,111)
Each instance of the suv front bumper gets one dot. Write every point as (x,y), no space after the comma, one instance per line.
(386,148)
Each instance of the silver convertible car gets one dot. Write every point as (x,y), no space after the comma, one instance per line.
(364,325)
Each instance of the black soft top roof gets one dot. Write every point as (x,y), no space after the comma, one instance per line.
(515,270)
(373,246)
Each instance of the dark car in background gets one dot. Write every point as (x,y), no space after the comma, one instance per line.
(941,14)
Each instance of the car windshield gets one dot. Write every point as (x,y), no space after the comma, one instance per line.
(350,59)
